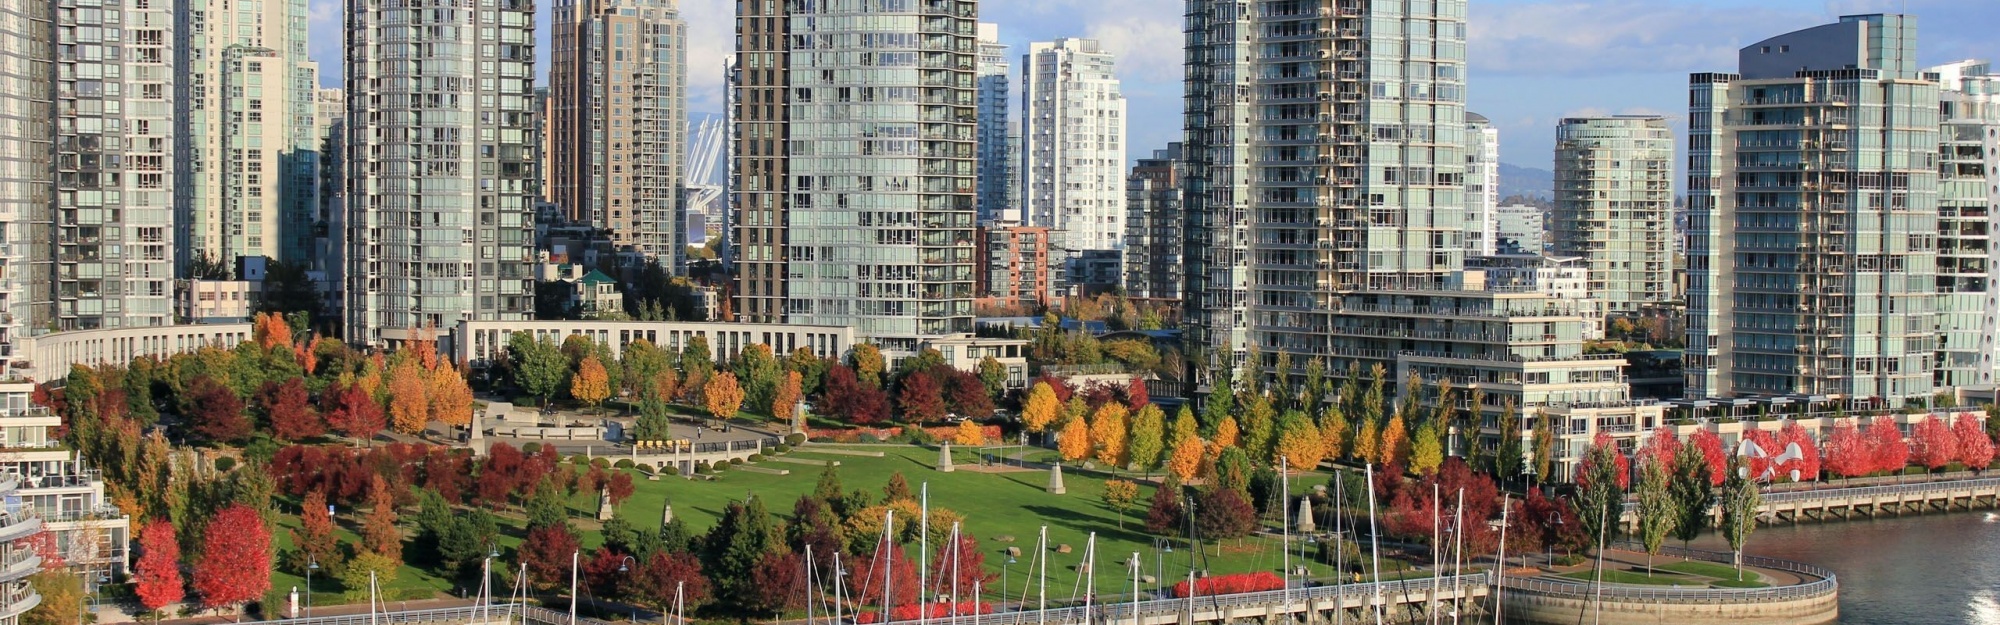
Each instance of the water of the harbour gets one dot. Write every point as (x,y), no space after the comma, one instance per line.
(1939,569)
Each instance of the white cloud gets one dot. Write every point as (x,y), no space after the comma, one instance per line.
(1571,38)
(711,26)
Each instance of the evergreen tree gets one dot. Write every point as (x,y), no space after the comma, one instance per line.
(740,540)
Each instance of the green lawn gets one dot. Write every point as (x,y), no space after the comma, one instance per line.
(1630,577)
(1730,583)
(1708,569)
(994,505)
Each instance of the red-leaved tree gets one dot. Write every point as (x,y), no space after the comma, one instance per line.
(779,582)
(354,413)
(1711,453)
(1136,396)
(970,567)
(1847,451)
(1886,449)
(217,411)
(158,572)
(847,399)
(891,566)
(1808,463)
(315,537)
(235,564)
(667,573)
(1661,444)
(1768,442)
(1932,444)
(921,399)
(547,553)
(1975,448)
(290,411)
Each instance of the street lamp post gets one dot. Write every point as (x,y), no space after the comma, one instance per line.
(1555,518)
(625,566)
(312,564)
(1003,579)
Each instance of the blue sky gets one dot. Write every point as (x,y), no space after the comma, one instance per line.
(1532,61)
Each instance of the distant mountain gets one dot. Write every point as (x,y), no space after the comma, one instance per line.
(1526,181)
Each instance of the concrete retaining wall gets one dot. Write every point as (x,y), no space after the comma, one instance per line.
(1522,607)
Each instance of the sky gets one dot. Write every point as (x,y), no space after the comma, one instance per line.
(1533,62)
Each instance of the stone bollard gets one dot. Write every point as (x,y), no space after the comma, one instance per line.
(944,459)
(1055,480)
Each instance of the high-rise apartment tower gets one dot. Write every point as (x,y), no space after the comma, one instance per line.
(1813,217)
(618,133)
(440,111)
(854,166)
(1614,206)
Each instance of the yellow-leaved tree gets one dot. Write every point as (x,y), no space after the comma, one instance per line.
(1365,443)
(451,398)
(591,384)
(1074,440)
(969,433)
(1041,408)
(1108,434)
(1299,442)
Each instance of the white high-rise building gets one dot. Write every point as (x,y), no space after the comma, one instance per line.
(1482,183)
(247,153)
(27,294)
(1968,189)
(1073,145)
(999,133)
(439,179)
(115,89)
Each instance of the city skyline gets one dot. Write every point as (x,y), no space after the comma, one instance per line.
(1528,66)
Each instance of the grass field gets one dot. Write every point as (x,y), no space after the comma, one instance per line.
(994,505)
(1012,504)
(1708,569)
(1639,578)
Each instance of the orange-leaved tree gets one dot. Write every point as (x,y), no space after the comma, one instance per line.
(591,384)
(409,403)
(722,396)
(1074,440)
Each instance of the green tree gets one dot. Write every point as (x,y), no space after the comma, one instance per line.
(1657,509)
(696,360)
(1218,405)
(1507,455)
(1545,447)
(740,540)
(1148,438)
(1599,496)
(62,598)
(993,375)
(539,367)
(1260,425)
(1739,501)
(810,367)
(1467,423)
(829,491)
(1183,429)
(643,363)
(1312,395)
(1694,494)
(757,369)
(548,506)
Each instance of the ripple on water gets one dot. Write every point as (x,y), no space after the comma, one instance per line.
(1928,570)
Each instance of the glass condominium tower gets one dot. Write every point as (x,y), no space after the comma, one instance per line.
(1614,206)
(998,132)
(1326,157)
(27,126)
(248,155)
(618,135)
(1968,190)
(1813,217)
(440,111)
(115,89)
(854,149)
